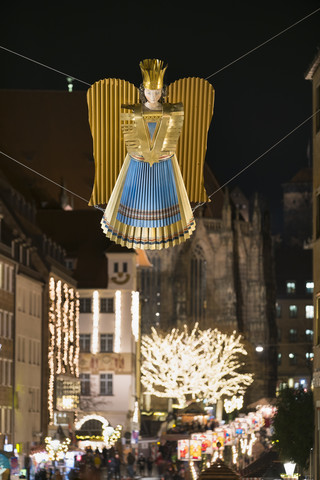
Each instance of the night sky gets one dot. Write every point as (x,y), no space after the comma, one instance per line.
(259,99)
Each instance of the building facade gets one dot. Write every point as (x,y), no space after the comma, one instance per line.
(109,335)
(313,74)
(222,277)
(39,328)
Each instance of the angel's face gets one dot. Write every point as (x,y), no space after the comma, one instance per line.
(152,96)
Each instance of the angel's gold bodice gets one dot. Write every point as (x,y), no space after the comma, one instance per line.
(168,124)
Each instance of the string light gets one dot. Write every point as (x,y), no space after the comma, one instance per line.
(95,323)
(135,416)
(63,342)
(117,326)
(203,365)
(235,403)
(135,315)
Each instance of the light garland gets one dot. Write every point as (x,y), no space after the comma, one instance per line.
(234,454)
(63,341)
(135,315)
(202,365)
(58,326)
(95,323)
(109,436)
(117,326)
(135,416)
(235,403)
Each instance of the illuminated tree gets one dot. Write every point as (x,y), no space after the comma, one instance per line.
(201,365)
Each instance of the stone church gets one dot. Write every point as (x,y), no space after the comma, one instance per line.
(222,277)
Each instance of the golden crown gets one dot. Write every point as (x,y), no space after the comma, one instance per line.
(152,73)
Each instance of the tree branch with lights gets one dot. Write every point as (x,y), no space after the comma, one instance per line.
(202,364)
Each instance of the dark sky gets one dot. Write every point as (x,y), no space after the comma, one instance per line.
(259,99)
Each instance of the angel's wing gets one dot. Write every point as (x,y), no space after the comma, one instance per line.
(197,96)
(104,104)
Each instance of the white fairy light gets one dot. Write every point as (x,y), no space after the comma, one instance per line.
(234,403)
(95,323)
(117,326)
(202,365)
(63,341)
(135,416)
(135,315)
(234,454)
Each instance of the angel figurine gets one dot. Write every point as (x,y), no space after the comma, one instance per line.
(147,189)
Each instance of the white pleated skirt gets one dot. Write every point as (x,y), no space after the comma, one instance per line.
(149,207)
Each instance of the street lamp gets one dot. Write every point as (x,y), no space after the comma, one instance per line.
(289,469)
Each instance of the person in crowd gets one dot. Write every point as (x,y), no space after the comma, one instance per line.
(130,464)
(141,463)
(149,465)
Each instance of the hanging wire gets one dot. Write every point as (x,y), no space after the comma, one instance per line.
(45,66)
(43,176)
(215,73)
(258,158)
(262,44)
(198,204)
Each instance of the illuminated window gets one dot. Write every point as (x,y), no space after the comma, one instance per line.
(309,287)
(84,342)
(309,311)
(106,384)
(279,358)
(290,382)
(291,287)
(278,310)
(106,305)
(309,335)
(106,342)
(292,359)
(198,284)
(85,383)
(309,355)
(293,335)
(85,305)
(293,311)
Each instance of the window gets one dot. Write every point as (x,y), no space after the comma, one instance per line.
(309,335)
(116,267)
(85,383)
(293,335)
(291,287)
(309,287)
(317,109)
(85,305)
(309,310)
(309,355)
(278,310)
(106,305)
(293,311)
(125,267)
(279,358)
(84,342)
(292,359)
(106,383)
(198,284)
(106,342)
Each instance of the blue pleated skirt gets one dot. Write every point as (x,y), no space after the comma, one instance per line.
(149,196)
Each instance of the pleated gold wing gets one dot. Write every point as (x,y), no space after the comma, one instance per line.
(197,96)
(104,104)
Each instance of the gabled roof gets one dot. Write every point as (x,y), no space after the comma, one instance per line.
(313,66)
